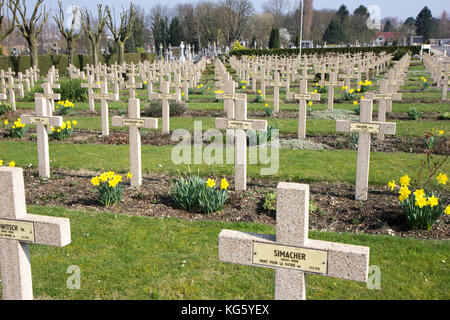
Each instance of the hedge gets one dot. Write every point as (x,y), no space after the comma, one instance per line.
(289,52)
(61,62)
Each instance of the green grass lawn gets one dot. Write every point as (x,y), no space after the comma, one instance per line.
(123,257)
(298,165)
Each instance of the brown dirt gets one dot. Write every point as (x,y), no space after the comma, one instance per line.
(336,211)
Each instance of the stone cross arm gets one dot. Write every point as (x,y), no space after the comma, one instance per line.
(384,96)
(53,96)
(230,96)
(54,121)
(162,96)
(147,123)
(369,127)
(344,261)
(91,85)
(222,123)
(106,96)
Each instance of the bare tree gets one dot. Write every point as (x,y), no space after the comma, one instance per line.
(121,33)
(9,29)
(93,28)
(208,18)
(278,9)
(234,16)
(68,33)
(30,27)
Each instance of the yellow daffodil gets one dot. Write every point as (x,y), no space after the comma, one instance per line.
(421,202)
(419,193)
(210,183)
(404,181)
(74,122)
(224,184)
(129,175)
(310,103)
(110,175)
(95,181)
(404,193)
(442,178)
(1,162)
(433,201)
(103,177)
(355,103)
(59,130)
(5,122)
(441,132)
(392,185)
(12,164)
(447,210)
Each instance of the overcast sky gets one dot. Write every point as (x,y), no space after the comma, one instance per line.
(388,8)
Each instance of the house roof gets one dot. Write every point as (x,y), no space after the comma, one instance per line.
(391,35)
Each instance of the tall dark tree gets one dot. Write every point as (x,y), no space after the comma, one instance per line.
(274,40)
(410,22)
(175,32)
(361,11)
(334,32)
(424,24)
(342,13)
(388,26)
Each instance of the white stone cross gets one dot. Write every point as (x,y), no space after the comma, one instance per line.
(291,253)
(364,128)
(302,97)
(11,86)
(331,84)
(276,91)
(383,97)
(17,230)
(165,96)
(104,96)
(50,96)
(131,86)
(134,122)
(90,85)
(43,121)
(240,124)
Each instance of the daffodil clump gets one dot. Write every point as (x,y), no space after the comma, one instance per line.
(425,84)
(63,132)
(364,86)
(432,137)
(268,111)
(144,85)
(109,187)
(259,97)
(349,94)
(195,194)
(422,207)
(243,84)
(320,88)
(5,108)
(10,164)
(64,107)
(16,129)
(356,107)
(201,89)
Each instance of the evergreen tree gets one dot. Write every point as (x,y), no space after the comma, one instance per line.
(253,44)
(424,24)
(175,32)
(342,14)
(274,41)
(388,26)
(334,32)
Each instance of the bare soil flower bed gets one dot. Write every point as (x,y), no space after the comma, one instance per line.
(334,206)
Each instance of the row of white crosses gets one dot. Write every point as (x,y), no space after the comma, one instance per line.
(439,68)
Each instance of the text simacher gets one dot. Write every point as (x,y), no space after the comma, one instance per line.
(257,309)
(289,254)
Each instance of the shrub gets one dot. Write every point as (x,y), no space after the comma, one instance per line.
(193,194)
(399,54)
(270,201)
(320,88)
(268,111)
(259,97)
(349,94)
(154,108)
(425,84)
(5,108)
(17,129)
(414,113)
(357,108)
(364,86)
(29,96)
(109,188)
(71,90)
(64,132)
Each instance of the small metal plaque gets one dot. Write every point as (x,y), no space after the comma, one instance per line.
(288,257)
(246,125)
(40,120)
(364,127)
(17,230)
(133,123)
